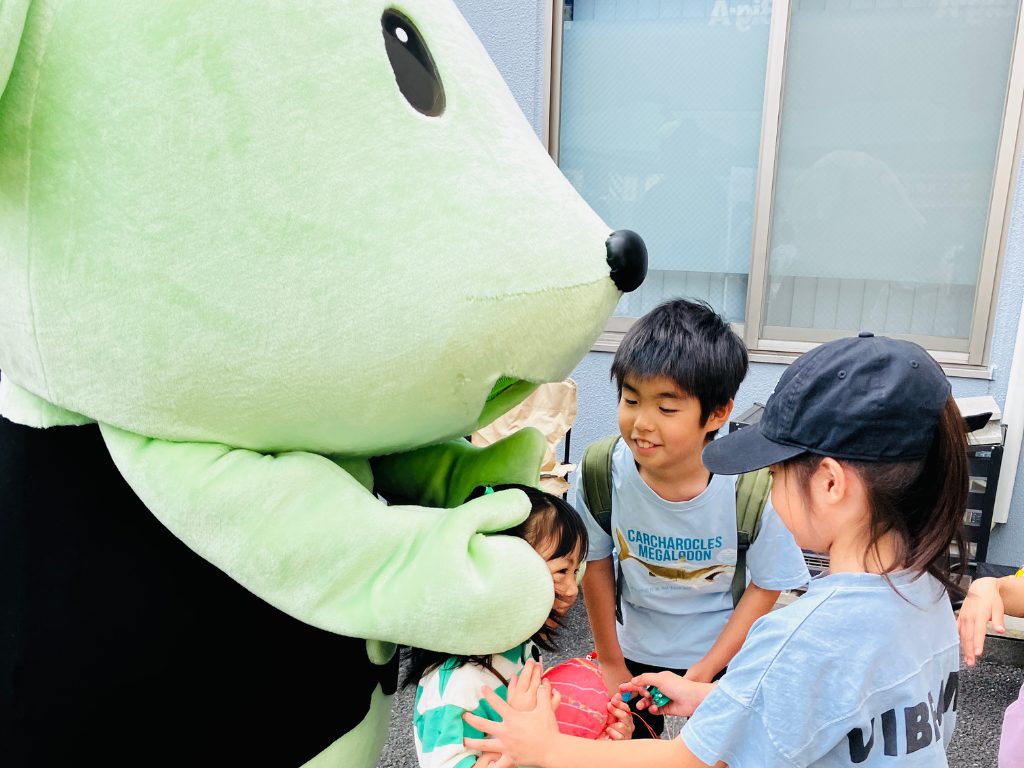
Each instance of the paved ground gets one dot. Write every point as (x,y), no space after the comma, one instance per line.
(985,691)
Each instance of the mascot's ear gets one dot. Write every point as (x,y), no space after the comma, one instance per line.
(12,22)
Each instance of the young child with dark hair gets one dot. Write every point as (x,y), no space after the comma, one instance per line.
(868,451)
(665,568)
(448,686)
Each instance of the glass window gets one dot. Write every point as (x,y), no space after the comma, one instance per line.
(659,130)
(866,191)
(891,119)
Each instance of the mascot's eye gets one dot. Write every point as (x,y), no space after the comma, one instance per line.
(413,66)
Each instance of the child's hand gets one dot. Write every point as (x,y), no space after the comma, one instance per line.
(983,603)
(685,694)
(522,688)
(620,720)
(522,736)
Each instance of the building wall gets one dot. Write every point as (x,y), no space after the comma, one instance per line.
(514,34)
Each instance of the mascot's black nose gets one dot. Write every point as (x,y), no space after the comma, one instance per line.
(627,256)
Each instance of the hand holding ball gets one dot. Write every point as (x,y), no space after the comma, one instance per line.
(583,709)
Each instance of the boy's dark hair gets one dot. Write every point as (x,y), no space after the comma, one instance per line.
(551,520)
(922,501)
(691,344)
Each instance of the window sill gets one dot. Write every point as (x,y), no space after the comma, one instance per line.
(609,342)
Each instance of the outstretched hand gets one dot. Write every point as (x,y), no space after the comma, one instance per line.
(982,604)
(523,734)
(685,694)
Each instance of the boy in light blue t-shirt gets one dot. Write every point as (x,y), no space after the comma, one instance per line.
(666,566)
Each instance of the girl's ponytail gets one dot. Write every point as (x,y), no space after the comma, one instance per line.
(924,502)
(937,517)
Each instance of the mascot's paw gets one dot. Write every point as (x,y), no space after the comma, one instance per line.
(513,459)
(480,572)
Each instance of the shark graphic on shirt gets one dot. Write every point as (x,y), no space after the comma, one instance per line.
(693,577)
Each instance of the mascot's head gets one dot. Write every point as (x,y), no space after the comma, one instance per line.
(322,225)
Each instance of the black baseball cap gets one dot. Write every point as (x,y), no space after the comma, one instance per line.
(869,398)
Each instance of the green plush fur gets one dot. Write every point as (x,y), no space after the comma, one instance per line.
(227,238)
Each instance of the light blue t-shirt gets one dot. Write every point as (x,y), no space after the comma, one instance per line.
(677,561)
(851,674)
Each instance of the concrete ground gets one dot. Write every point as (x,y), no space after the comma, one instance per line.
(985,691)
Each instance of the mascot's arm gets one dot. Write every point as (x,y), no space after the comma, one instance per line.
(304,535)
(443,475)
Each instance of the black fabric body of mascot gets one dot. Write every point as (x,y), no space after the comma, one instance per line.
(121,646)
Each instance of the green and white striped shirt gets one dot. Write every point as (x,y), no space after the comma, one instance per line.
(446,692)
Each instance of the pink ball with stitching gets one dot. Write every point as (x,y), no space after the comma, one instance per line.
(583,710)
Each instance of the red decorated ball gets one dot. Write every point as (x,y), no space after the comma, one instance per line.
(583,709)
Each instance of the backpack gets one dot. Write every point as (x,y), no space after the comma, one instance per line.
(752,489)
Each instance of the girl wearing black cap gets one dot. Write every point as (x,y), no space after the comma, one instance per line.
(868,454)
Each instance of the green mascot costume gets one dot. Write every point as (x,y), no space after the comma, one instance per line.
(262,265)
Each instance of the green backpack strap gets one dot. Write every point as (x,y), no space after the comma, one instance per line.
(752,489)
(596,487)
(596,480)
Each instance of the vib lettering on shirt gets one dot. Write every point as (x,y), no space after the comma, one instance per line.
(921,725)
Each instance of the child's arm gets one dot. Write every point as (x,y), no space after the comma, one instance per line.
(599,596)
(987,599)
(754,604)
(532,738)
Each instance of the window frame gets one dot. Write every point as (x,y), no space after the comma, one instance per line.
(776,344)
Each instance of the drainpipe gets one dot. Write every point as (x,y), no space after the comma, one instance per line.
(1013,418)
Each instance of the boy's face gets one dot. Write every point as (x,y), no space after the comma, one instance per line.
(661,424)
